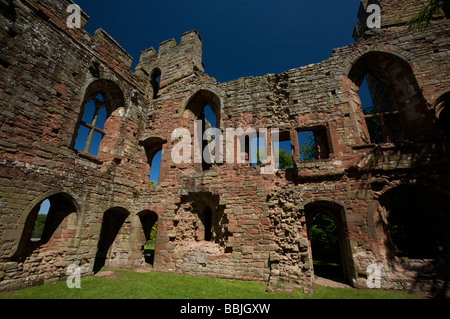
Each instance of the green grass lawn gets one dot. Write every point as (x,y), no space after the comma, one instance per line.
(134,285)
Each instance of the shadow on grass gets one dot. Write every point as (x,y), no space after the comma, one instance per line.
(329,270)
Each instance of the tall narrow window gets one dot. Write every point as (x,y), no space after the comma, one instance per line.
(284,150)
(204,108)
(208,224)
(208,122)
(155,80)
(92,124)
(155,166)
(257,151)
(153,147)
(41,219)
(382,117)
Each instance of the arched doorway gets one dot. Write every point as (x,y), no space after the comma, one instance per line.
(149,221)
(329,246)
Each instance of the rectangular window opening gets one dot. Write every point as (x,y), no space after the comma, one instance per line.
(313,144)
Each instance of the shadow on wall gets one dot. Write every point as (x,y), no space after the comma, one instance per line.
(113,219)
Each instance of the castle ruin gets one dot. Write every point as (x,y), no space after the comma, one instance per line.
(388,195)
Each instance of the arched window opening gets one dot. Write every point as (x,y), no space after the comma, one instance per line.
(55,215)
(92,125)
(205,108)
(153,149)
(149,221)
(155,167)
(155,80)
(393,105)
(409,224)
(102,99)
(113,220)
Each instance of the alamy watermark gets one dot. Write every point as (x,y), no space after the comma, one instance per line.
(374,276)
(374,20)
(74,276)
(213,152)
(74,20)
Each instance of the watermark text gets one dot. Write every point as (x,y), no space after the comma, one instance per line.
(74,20)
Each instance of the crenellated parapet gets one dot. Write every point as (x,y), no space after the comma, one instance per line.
(172,62)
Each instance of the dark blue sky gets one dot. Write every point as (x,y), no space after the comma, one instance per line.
(240,37)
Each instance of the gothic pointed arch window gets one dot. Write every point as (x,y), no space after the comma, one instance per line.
(101,99)
(393,107)
(205,107)
(92,125)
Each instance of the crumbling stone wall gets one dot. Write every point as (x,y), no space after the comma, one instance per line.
(258,222)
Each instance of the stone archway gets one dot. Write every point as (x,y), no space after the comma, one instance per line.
(331,255)
(61,221)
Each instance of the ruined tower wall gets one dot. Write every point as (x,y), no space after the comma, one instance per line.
(227,219)
(46,72)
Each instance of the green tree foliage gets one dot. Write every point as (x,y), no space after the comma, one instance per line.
(323,231)
(324,238)
(308,149)
(153,231)
(424,17)
(39,226)
(284,158)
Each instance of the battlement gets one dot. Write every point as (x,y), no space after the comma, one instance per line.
(174,61)
(394,13)
(80,132)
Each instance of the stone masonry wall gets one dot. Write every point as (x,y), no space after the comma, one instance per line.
(258,222)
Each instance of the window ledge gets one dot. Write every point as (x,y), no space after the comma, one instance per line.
(371,146)
(89,157)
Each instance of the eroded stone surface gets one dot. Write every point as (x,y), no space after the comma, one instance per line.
(258,222)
